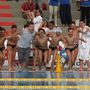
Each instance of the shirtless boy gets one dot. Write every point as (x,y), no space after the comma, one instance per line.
(41,43)
(76,31)
(2,39)
(50,32)
(54,37)
(71,46)
(75,34)
(11,46)
(54,42)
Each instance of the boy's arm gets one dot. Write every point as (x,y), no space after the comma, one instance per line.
(62,38)
(87,30)
(81,39)
(2,40)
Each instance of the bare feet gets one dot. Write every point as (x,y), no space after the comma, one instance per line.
(10,69)
(80,70)
(33,69)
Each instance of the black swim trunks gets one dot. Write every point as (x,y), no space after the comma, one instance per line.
(52,47)
(71,49)
(2,48)
(13,46)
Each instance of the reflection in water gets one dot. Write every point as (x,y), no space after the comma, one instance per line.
(84,74)
(80,74)
(45,74)
(88,74)
(7,75)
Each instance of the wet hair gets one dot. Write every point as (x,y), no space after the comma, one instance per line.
(14,26)
(2,29)
(41,30)
(82,21)
(46,21)
(26,25)
(73,22)
(29,23)
(38,10)
(69,29)
(52,22)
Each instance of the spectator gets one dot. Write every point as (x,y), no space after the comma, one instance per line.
(78,4)
(65,12)
(37,4)
(44,25)
(27,8)
(53,9)
(24,43)
(37,19)
(85,11)
(51,26)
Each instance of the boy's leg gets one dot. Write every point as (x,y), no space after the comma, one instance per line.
(54,58)
(69,61)
(88,65)
(45,57)
(72,58)
(9,48)
(1,60)
(40,59)
(81,65)
(35,58)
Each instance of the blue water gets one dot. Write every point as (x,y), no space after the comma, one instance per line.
(45,74)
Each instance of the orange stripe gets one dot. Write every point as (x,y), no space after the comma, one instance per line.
(3,0)
(6,23)
(4,7)
(6,15)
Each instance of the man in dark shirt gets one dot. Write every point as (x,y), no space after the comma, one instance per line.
(65,12)
(85,11)
(27,8)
